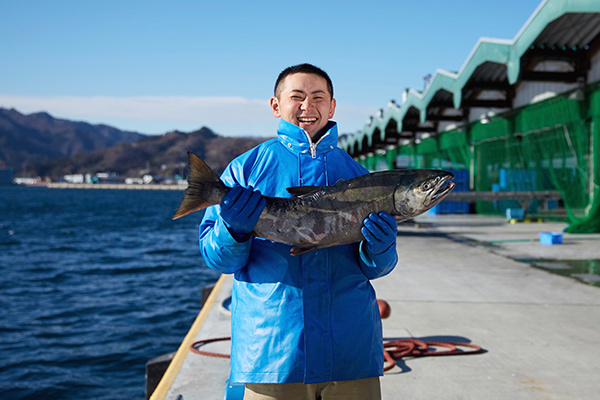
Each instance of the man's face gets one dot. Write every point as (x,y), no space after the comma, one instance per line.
(304,101)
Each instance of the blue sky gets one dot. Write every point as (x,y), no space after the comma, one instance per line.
(154,66)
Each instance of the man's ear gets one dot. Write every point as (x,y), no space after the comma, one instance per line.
(275,107)
(332,109)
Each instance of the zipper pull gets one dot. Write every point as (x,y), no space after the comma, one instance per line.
(311,146)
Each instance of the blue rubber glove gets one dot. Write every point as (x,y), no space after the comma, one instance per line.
(379,231)
(240,210)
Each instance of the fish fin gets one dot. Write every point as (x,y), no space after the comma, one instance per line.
(302,190)
(200,178)
(296,251)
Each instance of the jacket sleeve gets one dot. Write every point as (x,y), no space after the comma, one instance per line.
(219,249)
(377,265)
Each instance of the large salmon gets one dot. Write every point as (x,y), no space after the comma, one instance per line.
(318,217)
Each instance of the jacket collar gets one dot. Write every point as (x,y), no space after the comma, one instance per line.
(297,140)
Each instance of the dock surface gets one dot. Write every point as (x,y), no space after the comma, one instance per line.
(459,278)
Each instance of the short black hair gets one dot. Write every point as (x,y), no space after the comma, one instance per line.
(305,69)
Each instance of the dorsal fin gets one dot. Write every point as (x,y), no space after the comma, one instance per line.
(301,190)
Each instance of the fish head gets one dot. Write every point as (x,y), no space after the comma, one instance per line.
(421,190)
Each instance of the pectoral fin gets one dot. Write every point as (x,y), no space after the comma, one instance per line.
(296,251)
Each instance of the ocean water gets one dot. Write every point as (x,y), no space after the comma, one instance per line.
(93,284)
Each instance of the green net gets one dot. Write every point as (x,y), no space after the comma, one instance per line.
(545,146)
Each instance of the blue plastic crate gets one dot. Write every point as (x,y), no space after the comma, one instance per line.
(435,209)
(461,176)
(550,238)
(461,187)
(462,207)
(503,178)
(515,213)
(517,179)
(450,207)
(446,207)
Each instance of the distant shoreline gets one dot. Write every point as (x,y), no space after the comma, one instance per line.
(115,186)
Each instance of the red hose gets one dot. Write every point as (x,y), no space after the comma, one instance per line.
(397,349)
(392,350)
(196,345)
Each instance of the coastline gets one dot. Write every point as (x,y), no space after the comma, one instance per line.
(114,186)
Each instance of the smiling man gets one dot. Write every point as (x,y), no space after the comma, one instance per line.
(305,100)
(308,326)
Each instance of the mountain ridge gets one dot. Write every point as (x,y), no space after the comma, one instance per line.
(40,145)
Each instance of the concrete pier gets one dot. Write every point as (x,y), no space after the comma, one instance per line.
(459,279)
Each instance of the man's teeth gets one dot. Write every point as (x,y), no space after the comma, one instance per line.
(307,119)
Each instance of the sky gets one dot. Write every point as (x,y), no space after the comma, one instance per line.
(155,66)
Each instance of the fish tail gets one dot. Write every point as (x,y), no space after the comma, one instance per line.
(204,189)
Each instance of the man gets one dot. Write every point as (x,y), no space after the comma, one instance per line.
(308,326)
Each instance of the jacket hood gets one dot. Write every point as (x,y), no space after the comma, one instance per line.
(296,139)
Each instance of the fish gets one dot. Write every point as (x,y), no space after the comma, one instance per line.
(316,217)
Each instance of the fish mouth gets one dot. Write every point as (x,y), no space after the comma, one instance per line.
(444,187)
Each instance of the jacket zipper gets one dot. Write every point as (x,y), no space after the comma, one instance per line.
(313,146)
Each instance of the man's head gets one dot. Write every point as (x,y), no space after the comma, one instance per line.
(302,69)
(304,97)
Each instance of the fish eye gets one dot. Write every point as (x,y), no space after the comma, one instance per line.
(426,186)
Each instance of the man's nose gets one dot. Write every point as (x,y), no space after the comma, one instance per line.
(306,104)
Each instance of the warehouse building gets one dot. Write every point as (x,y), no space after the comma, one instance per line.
(520,115)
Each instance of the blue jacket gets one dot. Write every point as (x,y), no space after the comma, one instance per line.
(309,318)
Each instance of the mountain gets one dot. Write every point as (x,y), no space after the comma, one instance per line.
(164,155)
(26,140)
(41,145)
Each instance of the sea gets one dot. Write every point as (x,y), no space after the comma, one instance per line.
(93,284)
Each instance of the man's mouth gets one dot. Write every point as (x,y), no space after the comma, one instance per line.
(307,120)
